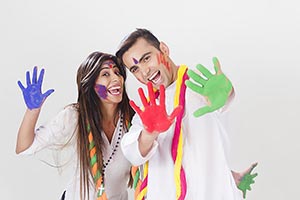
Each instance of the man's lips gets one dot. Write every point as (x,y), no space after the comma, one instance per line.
(155,77)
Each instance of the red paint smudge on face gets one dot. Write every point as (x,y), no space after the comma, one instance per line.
(161,59)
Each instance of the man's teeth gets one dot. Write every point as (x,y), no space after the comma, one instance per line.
(152,78)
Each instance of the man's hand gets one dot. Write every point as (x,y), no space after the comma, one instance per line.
(215,87)
(154,117)
(245,179)
(32,94)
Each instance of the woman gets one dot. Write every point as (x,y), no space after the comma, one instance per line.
(93,127)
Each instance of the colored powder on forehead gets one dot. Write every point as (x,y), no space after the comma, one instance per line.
(109,63)
(135,61)
(101,91)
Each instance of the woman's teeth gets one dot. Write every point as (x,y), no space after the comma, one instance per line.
(115,90)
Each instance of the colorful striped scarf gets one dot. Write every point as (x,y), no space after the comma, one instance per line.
(96,172)
(177,143)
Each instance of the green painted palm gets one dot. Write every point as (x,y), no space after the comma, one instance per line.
(215,87)
(246,180)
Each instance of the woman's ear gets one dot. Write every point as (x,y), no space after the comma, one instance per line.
(164,48)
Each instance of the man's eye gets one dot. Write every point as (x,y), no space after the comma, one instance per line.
(134,69)
(147,58)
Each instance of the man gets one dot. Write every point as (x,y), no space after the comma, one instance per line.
(184,157)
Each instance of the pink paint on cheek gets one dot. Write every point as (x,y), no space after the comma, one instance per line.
(135,61)
(101,91)
(162,60)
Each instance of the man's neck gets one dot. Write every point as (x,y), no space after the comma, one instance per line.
(174,73)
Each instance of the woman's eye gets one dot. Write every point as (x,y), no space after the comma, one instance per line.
(118,73)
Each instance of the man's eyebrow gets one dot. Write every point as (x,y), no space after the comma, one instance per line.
(140,60)
(143,56)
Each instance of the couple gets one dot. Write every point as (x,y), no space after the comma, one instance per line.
(176,142)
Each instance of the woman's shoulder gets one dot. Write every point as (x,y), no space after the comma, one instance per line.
(68,113)
(71,109)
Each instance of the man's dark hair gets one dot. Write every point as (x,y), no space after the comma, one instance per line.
(132,39)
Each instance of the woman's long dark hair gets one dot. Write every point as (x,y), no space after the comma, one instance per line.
(88,106)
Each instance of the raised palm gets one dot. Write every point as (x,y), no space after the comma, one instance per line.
(215,87)
(32,94)
(154,116)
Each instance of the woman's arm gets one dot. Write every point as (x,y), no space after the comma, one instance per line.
(26,130)
(34,99)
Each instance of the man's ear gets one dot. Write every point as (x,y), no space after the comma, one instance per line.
(164,48)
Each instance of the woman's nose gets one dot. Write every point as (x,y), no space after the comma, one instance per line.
(115,77)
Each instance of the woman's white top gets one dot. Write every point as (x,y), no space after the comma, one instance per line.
(61,132)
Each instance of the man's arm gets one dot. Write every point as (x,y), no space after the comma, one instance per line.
(154,118)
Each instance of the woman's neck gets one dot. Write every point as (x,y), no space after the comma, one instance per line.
(109,120)
(109,111)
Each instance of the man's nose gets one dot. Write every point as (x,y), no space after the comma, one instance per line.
(146,72)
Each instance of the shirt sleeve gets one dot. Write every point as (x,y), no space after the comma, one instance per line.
(56,133)
(130,144)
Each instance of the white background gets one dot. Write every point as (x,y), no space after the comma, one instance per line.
(257,43)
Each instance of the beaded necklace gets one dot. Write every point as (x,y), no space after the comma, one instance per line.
(98,176)
(115,147)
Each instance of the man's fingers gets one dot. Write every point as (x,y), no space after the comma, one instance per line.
(254,175)
(196,77)
(253,166)
(143,98)
(175,112)
(162,96)
(217,65)
(135,107)
(151,93)
(202,111)
(204,71)
(194,87)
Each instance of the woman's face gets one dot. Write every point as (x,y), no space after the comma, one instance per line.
(109,84)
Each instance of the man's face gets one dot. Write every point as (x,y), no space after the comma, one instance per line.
(147,63)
